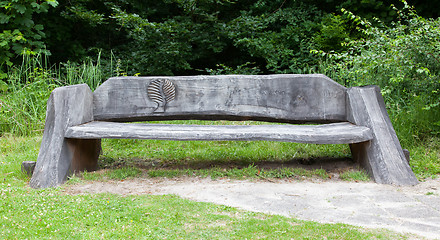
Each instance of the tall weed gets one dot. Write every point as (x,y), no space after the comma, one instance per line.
(89,72)
(24,93)
(23,102)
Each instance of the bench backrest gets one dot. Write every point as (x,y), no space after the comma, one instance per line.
(287,98)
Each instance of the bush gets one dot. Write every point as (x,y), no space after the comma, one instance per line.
(404,60)
(20,33)
(173,37)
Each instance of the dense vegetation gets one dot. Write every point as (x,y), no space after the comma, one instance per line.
(49,43)
(181,37)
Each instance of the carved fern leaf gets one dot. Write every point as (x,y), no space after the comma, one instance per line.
(161,91)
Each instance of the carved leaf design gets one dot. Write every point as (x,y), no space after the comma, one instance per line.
(169,90)
(154,91)
(161,91)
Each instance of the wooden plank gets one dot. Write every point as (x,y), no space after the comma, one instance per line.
(383,157)
(337,133)
(280,98)
(58,157)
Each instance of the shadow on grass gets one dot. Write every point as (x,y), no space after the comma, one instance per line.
(321,168)
(329,164)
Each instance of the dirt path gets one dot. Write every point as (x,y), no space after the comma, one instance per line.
(403,209)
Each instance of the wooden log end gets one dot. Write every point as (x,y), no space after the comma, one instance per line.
(27,167)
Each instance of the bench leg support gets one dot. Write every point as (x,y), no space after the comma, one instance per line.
(383,156)
(59,157)
(85,153)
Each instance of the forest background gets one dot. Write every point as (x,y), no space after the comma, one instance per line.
(394,44)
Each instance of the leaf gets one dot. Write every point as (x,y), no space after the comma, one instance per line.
(3,75)
(38,27)
(18,49)
(4,18)
(3,43)
(53,3)
(25,21)
(20,8)
(17,38)
(3,85)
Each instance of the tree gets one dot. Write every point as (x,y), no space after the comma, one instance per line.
(20,31)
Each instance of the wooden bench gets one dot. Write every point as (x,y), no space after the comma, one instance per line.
(78,118)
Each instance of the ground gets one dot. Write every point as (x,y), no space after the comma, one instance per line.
(408,209)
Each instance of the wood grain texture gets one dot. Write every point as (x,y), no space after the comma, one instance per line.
(383,156)
(77,119)
(336,133)
(66,107)
(85,154)
(280,98)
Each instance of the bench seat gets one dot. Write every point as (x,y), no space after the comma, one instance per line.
(335,133)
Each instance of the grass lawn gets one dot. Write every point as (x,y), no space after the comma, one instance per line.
(27,213)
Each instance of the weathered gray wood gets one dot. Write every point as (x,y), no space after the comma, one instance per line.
(336,133)
(27,167)
(282,98)
(71,140)
(67,106)
(407,155)
(382,156)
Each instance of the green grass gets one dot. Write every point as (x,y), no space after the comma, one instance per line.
(199,152)
(51,213)
(114,174)
(355,175)
(425,159)
(250,172)
(238,160)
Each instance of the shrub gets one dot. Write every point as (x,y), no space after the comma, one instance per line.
(404,60)
(20,33)
(173,37)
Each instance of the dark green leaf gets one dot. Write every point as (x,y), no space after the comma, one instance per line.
(20,8)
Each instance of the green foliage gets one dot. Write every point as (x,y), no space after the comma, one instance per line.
(3,87)
(277,35)
(20,32)
(245,69)
(23,103)
(173,37)
(371,9)
(165,47)
(333,33)
(24,92)
(90,72)
(403,59)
